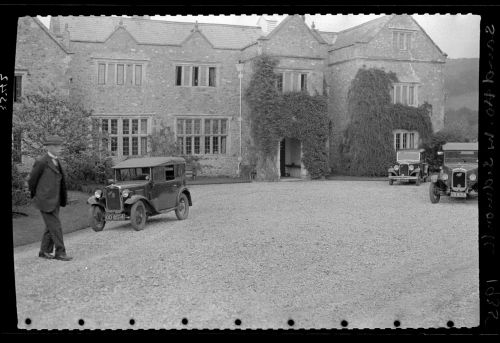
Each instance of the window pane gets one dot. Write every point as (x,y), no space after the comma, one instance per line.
(207,126)
(211,77)
(188,146)
(144,145)
(412,95)
(138,75)
(398,137)
(405,95)
(144,126)
(401,41)
(203,76)
(114,145)
(223,128)
(18,79)
(125,126)
(101,73)
(180,144)
(178,75)
(189,127)
(197,123)
(114,126)
(196,145)
(408,41)
(180,126)
(303,82)
(135,146)
(215,145)
(215,127)
(279,82)
(126,146)
(412,141)
(119,74)
(207,145)
(404,140)
(129,74)
(186,75)
(286,82)
(135,126)
(111,73)
(195,76)
(398,94)
(223,145)
(395,39)
(104,126)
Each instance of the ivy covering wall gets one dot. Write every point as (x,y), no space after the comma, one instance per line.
(275,116)
(367,147)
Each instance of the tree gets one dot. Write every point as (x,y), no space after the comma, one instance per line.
(47,112)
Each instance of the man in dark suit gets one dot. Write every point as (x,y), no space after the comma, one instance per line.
(48,191)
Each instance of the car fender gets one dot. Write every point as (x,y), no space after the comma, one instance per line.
(415,171)
(94,201)
(188,194)
(135,198)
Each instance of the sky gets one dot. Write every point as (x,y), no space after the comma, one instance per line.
(456,35)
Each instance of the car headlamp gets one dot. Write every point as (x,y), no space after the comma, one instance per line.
(98,194)
(396,167)
(411,167)
(472,177)
(444,176)
(126,193)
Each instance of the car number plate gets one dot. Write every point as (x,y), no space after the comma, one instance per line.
(458,195)
(114,216)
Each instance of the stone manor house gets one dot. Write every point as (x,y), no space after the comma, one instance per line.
(136,74)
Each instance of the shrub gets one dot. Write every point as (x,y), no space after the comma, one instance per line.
(19,191)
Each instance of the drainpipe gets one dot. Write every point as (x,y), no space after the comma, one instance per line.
(239,68)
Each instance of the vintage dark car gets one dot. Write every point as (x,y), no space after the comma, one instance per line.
(141,188)
(457,176)
(409,167)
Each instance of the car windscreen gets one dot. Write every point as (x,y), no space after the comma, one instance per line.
(408,155)
(463,156)
(132,174)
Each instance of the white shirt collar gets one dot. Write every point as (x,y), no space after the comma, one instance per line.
(52,156)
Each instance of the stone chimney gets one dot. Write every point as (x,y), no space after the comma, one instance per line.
(55,28)
(55,25)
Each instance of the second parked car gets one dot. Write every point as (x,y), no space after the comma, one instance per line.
(409,167)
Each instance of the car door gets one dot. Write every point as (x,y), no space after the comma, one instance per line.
(172,186)
(159,191)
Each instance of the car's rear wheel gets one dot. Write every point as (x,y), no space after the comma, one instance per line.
(434,193)
(182,209)
(96,218)
(138,216)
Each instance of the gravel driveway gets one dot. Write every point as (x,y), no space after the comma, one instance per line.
(316,252)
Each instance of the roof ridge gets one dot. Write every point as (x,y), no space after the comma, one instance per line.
(188,22)
(363,24)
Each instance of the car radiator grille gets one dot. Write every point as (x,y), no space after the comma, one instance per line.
(403,169)
(113,199)
(458,180)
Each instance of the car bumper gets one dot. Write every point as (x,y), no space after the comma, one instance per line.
(402,178)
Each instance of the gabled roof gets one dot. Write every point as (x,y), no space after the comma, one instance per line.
(460,146)
(50,34)
(144,162)
(360,34)
(284,22)
(159,32)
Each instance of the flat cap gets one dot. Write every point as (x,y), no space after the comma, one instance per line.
(53,140)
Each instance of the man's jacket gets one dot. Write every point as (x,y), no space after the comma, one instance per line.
(47,185)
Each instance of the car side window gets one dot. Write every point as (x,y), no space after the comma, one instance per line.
(169,173)
(180,170)
(158,174)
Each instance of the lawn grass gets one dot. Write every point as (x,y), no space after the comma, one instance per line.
(28,228)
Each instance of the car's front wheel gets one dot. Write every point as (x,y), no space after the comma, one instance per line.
(182,209)
(434,193)
(96,218)
(138,216)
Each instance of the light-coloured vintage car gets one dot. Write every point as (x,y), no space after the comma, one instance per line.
(457,176)
(141,188)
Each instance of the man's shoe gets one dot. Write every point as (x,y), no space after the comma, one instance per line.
(63,258)
(45,255)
